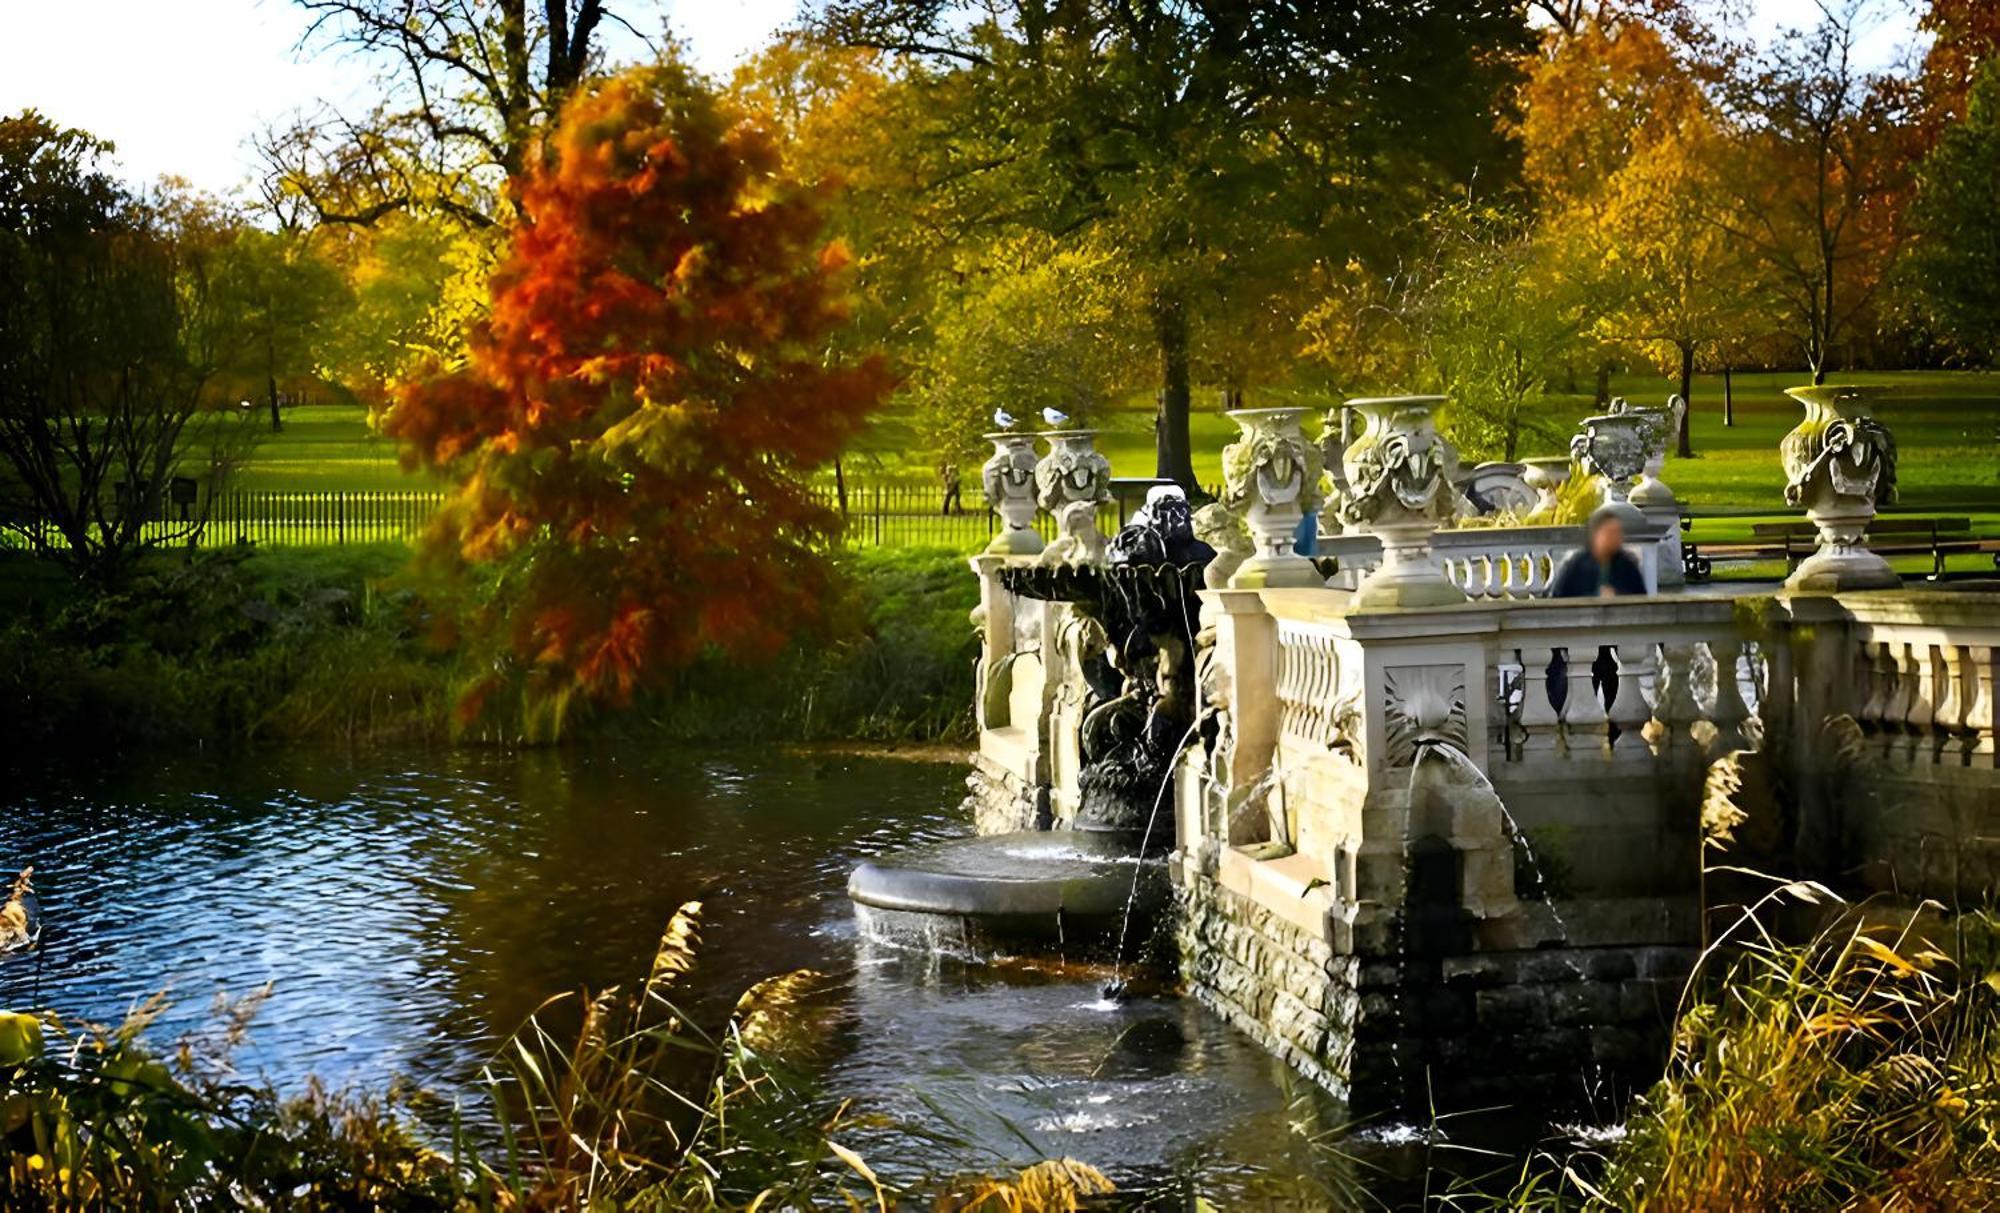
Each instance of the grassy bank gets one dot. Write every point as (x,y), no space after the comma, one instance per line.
(332,645)
(1947,427)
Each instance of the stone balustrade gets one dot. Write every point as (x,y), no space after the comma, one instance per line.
(1495,563)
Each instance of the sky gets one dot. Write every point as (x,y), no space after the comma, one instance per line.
(180,86)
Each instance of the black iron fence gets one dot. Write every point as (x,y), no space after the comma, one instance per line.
(876,513)
(275,518)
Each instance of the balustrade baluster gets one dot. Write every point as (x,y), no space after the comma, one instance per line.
(1730,713)
(1924,721)
(1542,681)
(1675,708)
(1583,717)
(1629,710)
(1911,699)
(1979,715)
(1949,744)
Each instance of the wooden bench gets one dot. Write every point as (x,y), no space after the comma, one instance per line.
(1886,536)
(1938,538)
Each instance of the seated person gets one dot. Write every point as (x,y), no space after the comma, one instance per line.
(1602,568)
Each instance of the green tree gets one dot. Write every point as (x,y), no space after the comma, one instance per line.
(1953,267)
(277,298)
(1184,138)
(108,340)
(1043,328)
(1483,314)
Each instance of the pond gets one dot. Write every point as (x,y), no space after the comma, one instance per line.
(409,910)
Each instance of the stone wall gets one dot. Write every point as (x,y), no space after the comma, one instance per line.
(1556,1026)
(1282,986)
(1000,801)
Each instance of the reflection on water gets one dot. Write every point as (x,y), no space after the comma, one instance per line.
(410,910)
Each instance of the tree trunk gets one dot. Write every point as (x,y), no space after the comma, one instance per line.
(1684,441)
(840,486)
(1603,384)
(1172,449)
(1728,398)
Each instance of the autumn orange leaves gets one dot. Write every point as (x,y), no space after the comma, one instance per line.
(635,423)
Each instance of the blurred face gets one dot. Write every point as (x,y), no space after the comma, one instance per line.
(1607,540)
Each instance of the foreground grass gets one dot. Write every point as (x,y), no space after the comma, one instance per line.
(617,1101)
(1860,1070)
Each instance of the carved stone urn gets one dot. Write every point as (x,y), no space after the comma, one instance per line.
(1271,481)
(1009,480)
(1840,464)
(1662,425)
(1651,496)
(1397,489)
(1546,475)
(1074,474)
(1613,448)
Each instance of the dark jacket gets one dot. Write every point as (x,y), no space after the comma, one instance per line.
(1579,576)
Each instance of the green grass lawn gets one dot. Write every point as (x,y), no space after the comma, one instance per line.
(325,448)
(1947,427)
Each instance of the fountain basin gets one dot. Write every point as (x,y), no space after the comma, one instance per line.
(1069,887)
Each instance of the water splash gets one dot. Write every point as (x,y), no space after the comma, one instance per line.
(1114,989)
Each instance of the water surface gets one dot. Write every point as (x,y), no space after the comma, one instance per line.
(409,910)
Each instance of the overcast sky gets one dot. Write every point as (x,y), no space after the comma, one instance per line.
(180,85)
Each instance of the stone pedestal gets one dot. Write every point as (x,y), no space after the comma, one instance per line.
(1397,490)
(1271,480)
(1651,496)
(1840,464)
(1009,480)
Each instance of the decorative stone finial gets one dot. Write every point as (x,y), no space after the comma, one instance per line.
(1546,475)
(1840,464)
(1398,490)
(1009,480)
(1271,481)
(1612,446)
(1218,527)
(1075,473)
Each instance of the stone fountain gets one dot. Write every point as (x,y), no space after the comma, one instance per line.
(1125,612)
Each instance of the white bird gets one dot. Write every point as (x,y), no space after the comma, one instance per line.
(1003,419)
(1055,417)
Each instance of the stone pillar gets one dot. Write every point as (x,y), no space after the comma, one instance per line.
(1009,480)
(1397,489)
(1652,497)
(994,617)
(1271,481)
(1840,463)
(1246,642)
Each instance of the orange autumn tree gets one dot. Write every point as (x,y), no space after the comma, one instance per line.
(633,427)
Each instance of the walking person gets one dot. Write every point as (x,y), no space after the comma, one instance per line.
(948,477)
